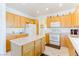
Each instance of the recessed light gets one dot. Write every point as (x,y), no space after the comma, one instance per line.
(47,8)
(60,5)
(37,11)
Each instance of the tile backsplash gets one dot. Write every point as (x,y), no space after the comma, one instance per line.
(14,30)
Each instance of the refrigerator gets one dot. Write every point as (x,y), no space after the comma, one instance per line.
(54,32)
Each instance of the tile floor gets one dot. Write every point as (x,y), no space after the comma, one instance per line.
(63,51)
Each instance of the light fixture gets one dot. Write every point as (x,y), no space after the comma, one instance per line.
(47,8)
(60,5)
(37,11)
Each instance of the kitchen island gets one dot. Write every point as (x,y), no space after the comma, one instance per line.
(28,46)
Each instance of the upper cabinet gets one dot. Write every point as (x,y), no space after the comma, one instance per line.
(10,19)
(23,22)
(70,20)
(16,21)
(66,21)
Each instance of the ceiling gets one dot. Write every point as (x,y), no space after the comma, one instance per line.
(37,9)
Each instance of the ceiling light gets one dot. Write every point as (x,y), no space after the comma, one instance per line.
(60,5)
(47,8)
(37,12)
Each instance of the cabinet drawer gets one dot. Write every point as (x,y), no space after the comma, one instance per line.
(28,46)
(29,52)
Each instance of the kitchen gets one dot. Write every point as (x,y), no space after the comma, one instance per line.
(42,29)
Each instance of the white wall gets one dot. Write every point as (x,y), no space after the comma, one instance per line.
(2,29)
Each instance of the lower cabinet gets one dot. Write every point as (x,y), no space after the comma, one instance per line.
(43,44)
(34,48)
(70,47)
(29,52)
(28,49)
(38,47)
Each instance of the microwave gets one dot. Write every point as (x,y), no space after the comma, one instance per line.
(74,32)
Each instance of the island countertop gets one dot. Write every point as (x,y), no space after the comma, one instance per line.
(75,43)
(22,41)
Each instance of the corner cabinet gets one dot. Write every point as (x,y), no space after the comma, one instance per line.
(33,48)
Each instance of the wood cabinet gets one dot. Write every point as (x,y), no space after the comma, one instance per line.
(66,21)
(75,20)
(47,39)
(37,47)
(29,52)
(28,49)
(70,20)
(43,44)
(17,21)
(70,47)
(10,19)
(33,48)
(12,37)
(23,22)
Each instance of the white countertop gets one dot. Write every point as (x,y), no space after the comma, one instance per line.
(22,41)
(75,42)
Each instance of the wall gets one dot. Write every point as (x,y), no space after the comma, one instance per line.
(2,29)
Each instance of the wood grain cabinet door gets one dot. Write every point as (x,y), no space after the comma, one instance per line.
(23,22)
(9,19)
(43,44)
(29,52)
(38,47)
(17,21)
(28,49)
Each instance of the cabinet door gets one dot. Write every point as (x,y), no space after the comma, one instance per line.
(43,44)
(37,50)
(9,19)
(38,47)
(70,47)
(47,40)
(29,52)
(77,20)
(28,49)
(23,22)
(17,21)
